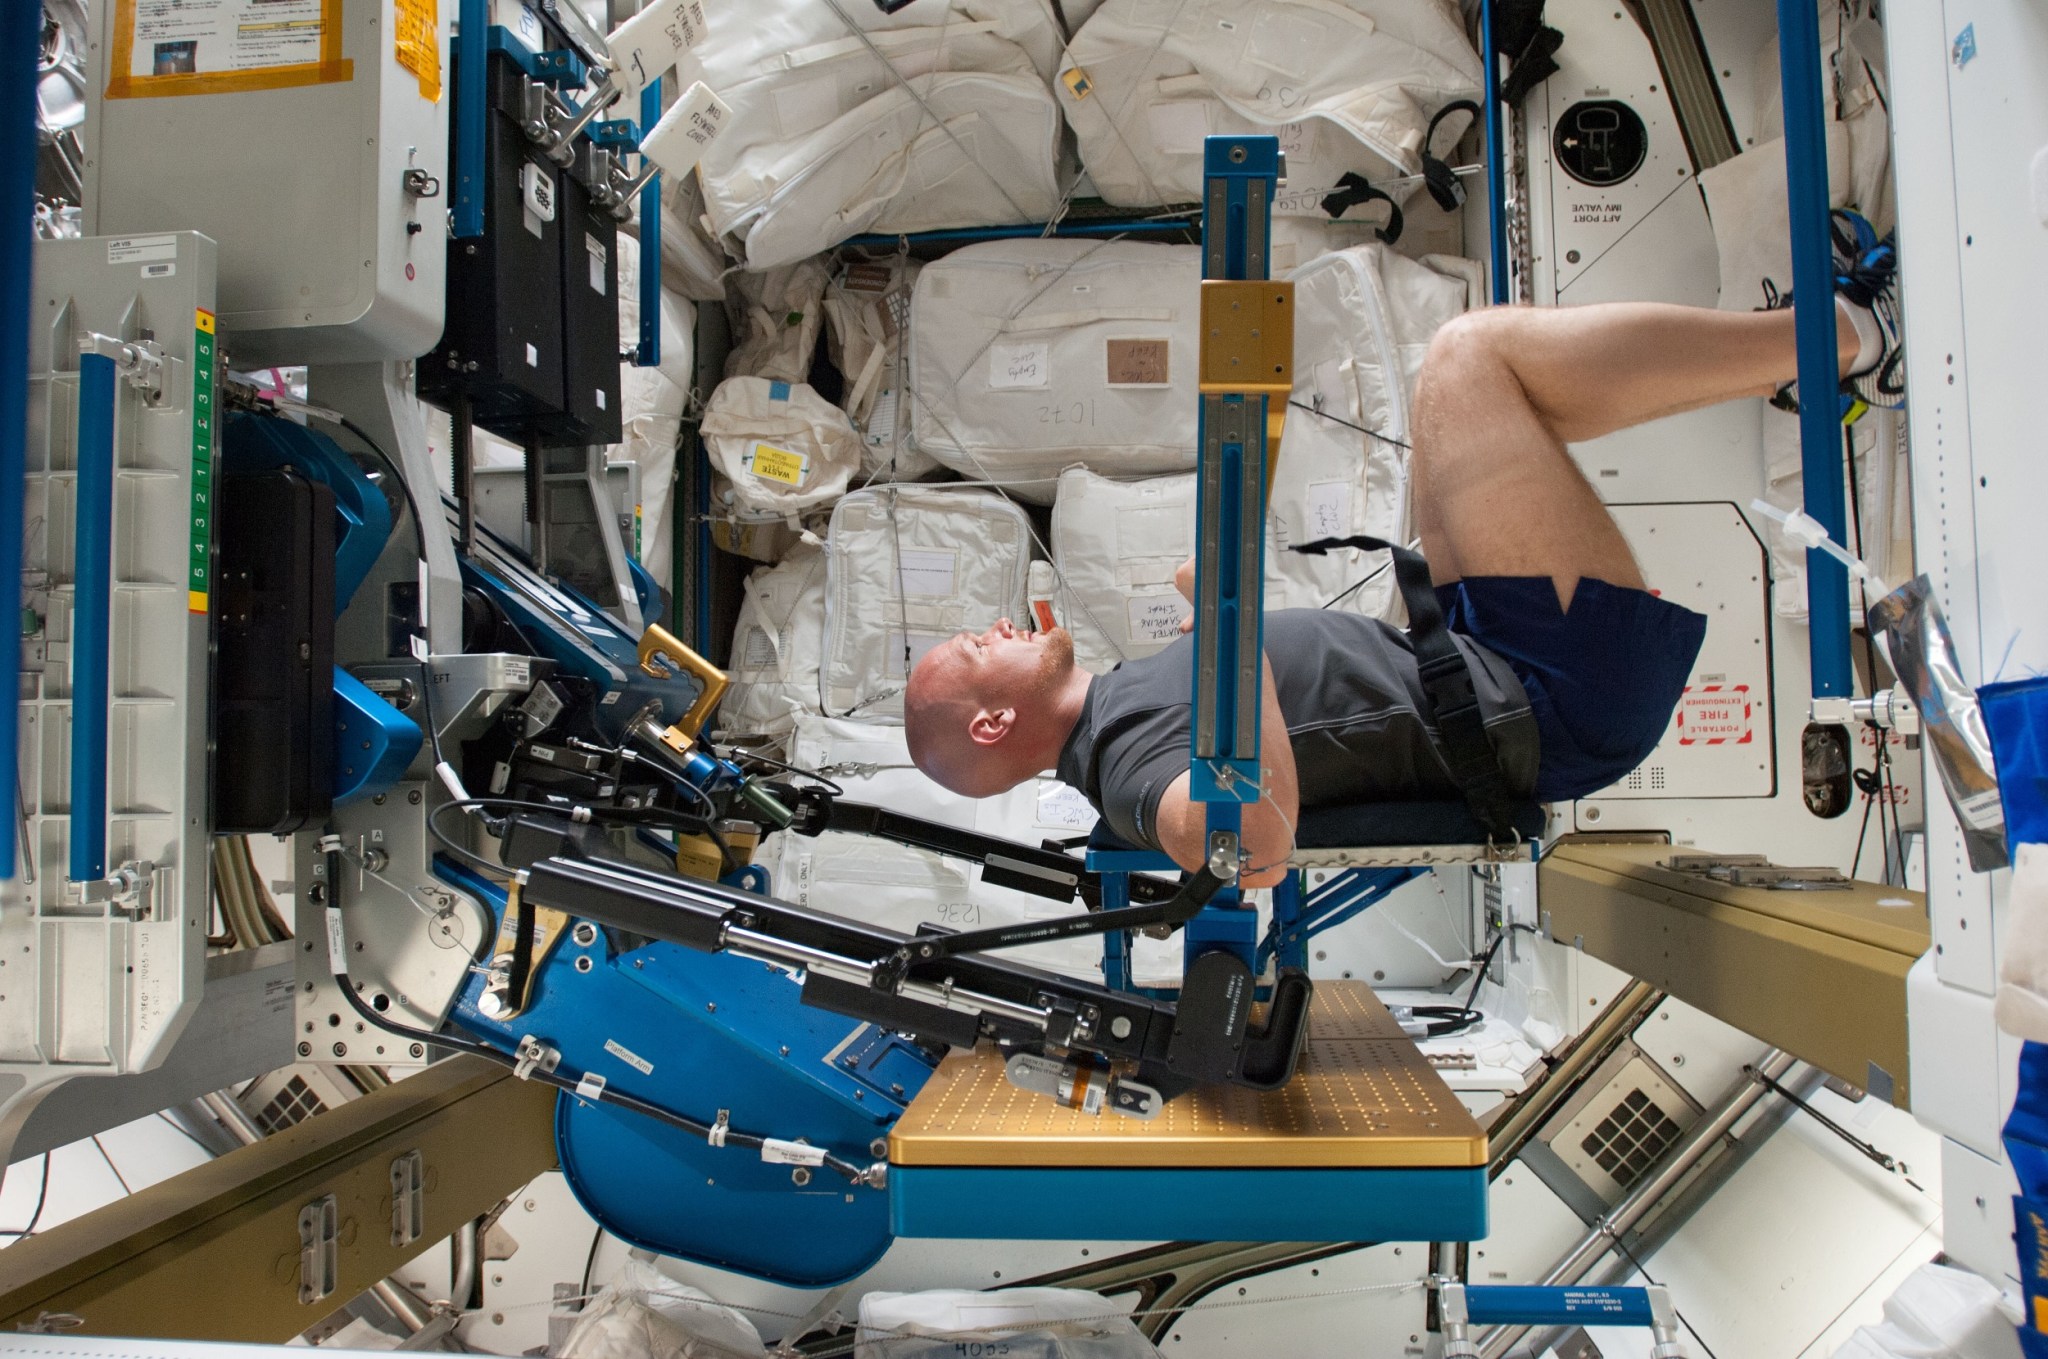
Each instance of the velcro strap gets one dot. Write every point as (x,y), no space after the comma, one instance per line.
(1352,190)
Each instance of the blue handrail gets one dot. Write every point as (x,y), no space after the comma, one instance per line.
(91,606)
(472,110)
(20,40)
(1496,174)
(1813,291)
(649,353)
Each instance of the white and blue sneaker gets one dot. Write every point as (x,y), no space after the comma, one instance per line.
(1866,272)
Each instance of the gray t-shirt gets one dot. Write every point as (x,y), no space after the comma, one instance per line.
(1353,701)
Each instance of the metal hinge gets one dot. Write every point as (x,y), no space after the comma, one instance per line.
(319,1249)
(408,1198)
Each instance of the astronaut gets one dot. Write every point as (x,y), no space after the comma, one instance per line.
(1575,666)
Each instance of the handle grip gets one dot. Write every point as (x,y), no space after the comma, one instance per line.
(659,642)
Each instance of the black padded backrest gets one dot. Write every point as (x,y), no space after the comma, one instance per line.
(1373,825)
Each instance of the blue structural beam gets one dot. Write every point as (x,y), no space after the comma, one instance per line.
(1496,172)
(92,595)
(1813,291)
(20,43)
(648,355)
(1533,1306)
(472,108)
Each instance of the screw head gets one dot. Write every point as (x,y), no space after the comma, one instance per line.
(800,1177)
(879,1147)
(341,1049)
(413,797)
(305,1049)
(418,1050)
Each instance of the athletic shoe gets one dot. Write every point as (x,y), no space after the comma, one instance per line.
(1866,271)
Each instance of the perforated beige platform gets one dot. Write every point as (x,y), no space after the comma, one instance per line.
(1363,1097)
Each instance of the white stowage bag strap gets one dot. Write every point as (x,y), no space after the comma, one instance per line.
(778,641)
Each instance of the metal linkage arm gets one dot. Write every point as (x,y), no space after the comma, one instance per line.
(1044,873)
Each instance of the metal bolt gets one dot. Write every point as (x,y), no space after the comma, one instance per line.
(879,1147)
(1120,1027)
(305,1049)
(784,1050)
(710,1007)
(341,1049)
(585,933)
(418,1050)
(800,1177)
(377,801)
(413,797)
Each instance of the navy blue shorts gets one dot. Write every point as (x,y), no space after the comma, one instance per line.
(1603,679)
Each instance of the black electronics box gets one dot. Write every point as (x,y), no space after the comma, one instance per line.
(273,674)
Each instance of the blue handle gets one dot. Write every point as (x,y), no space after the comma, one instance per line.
(472,108)
(1496,175)
(1813,291)
(649,354)
(20,40)
(91,604)
(1514,1306)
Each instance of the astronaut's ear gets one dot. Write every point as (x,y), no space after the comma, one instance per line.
(986,728)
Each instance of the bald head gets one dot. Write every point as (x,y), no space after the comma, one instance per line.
(985,711)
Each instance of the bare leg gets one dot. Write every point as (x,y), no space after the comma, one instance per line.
(1502,391)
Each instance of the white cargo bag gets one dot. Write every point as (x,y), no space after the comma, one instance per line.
(1347,85)
(777,645)
(691,262)
(1363,320)
(651,406)
(644,1314)
(936,115)
(952,149)
(1030,356)
(867,310)
(909,567)
(1023,1323)
(776,317)
(1116,545)
(785,448)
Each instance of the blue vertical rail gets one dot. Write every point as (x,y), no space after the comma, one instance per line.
(1496,169)
(20,41)
(649,353)
(92,595)
(1813,291)
(472,109)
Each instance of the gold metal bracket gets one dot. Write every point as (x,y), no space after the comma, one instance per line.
(663,656)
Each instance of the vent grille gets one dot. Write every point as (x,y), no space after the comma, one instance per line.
(293,1104)
(1629,1140)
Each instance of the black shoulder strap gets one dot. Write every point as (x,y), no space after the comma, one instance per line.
(1447,682)
(1352,190)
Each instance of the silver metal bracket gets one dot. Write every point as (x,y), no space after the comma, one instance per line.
(408,1198)
(129,889)
(1224,854)
(139,362)
(535,1054)
(319,1249)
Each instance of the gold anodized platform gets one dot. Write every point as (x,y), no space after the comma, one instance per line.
(1363,1097)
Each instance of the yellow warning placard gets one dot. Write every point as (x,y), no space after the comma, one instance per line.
(416,39)
(185,47)
(778,464)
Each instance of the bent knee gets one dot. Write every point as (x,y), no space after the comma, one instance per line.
(1473,338)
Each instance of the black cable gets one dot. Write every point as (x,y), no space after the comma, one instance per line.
(1894,841)
(1370,433)
(774,763)
(1356,585)
(567,1080)
(1882,1159)
(590,1263)
(42,1200)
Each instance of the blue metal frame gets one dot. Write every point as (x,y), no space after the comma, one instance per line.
(91,608)
(1510,1305)
(1203,1203)
(472,107)
(1496,172)
(1226,781)
(648,354)
(1813,291)
(561,68)
(21,41)
(1297,920)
